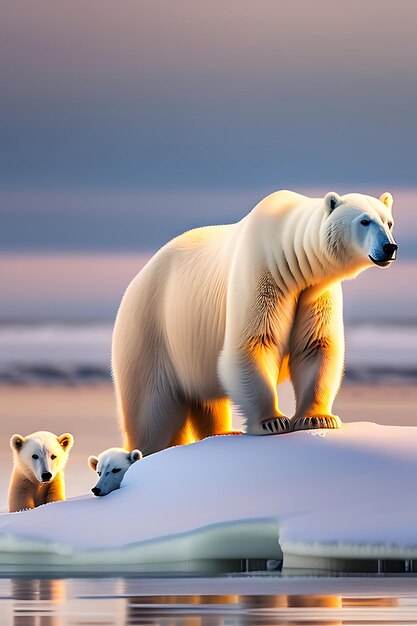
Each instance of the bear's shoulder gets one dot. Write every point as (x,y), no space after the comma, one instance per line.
(280,202)
(198,237)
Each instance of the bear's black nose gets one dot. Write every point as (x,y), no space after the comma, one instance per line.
(390,249)
(46,476)
(96,491)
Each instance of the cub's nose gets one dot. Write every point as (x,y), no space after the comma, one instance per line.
(390,250)
(96,491)
(46,476)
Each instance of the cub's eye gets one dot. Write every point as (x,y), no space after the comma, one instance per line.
(35,456)
(365,222)
(389,225)
(116,470)
(99,473)
(53,456)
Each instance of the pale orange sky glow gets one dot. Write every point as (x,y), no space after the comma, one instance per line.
(67,286)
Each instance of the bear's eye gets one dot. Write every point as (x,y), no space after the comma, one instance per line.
(35,456)
(365,222)
(53,456)
(390,225)
(116,470)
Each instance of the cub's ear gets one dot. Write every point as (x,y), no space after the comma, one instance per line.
(387,199)
(331,201)
(16,442)
(66,441)
(92,462)
(135,455)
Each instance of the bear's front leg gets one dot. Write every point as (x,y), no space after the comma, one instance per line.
(316,359)
(20,493)
(56,489)
(249,376)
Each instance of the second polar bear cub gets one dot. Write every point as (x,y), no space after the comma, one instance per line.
(111,465)
(38,469)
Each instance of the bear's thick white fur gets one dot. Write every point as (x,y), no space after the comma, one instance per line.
(38,469)
(111,465)
(223,313)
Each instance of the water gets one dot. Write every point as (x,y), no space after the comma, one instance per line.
(231,601)
(80,353)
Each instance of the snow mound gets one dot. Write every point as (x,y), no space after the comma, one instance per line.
(305,496)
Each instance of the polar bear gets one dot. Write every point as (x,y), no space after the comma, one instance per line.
(224,313)
(111,465)
(38,469)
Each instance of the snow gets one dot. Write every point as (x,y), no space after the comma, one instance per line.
(310,495)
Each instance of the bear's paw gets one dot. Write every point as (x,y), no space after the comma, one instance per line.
(276,426)
(316,421)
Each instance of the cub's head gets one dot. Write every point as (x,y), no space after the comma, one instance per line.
(357,230)
(41,455)
(111,465)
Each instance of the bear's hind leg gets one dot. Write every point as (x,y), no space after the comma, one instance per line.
(211,418)
(157,424)
(184,436)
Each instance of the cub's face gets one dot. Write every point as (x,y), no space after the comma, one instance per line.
(41,455)
(111,465)
(358,230)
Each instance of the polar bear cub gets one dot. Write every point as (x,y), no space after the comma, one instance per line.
(38,469)
(111,465)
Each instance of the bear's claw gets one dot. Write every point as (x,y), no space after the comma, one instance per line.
(277,426)
(319,421)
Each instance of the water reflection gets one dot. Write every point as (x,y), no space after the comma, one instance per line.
(36,602)
(235,610)
(84,602)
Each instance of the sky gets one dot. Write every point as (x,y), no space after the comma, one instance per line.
(122,123)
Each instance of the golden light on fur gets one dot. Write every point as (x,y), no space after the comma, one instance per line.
(39,460)
(223,313)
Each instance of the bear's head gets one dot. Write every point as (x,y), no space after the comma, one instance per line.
(356,232)
(111,465)
(41,455)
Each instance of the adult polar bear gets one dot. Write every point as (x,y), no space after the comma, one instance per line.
(223,313)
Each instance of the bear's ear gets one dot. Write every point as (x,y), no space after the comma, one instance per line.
(92,462)
(16,442)
(66,441)
(331,201)
(387,199)
(135,455)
